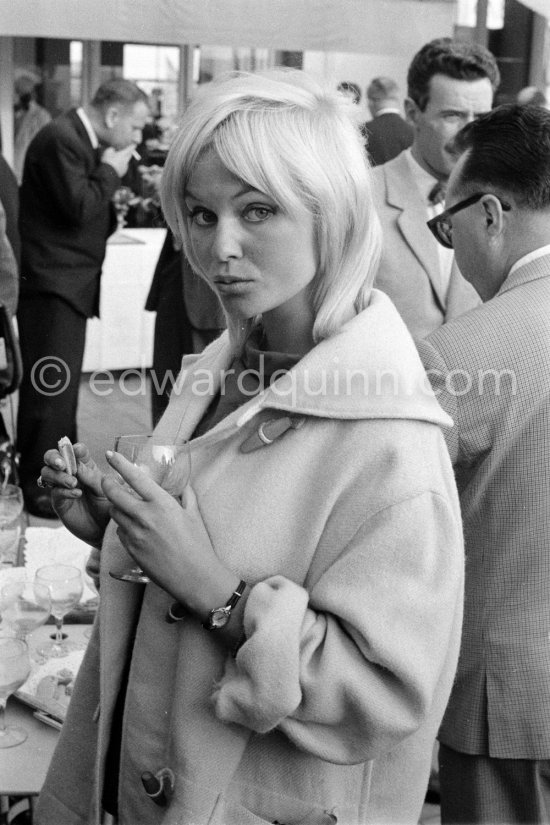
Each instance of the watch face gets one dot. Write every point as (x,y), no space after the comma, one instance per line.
(219,617)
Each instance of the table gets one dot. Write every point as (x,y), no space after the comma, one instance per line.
(23,768)
(122,337)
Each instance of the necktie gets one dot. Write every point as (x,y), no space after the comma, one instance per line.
(437,193)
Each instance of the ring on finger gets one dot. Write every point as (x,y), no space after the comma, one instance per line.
(41,482)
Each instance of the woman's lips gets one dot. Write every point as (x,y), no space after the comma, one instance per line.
(227,285)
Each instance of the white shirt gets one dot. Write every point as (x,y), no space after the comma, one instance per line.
(425,183)
(88,126)
(389,110)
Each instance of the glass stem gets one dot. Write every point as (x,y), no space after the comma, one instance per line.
(58,631)
(3,716)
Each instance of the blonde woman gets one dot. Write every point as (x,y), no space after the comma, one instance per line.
(317,562)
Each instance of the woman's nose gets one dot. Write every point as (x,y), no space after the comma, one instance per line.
(227,241)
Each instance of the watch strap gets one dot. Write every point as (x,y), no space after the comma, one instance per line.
(226,609)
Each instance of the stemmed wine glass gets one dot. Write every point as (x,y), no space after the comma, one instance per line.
(26,606)
(65,586)
(122,199)
(15,666)
(168,464)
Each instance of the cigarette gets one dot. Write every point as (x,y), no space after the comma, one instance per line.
(136,155)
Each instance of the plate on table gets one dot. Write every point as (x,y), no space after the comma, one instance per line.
(50,685)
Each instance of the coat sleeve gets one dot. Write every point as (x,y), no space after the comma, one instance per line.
(351,668)
(77,190)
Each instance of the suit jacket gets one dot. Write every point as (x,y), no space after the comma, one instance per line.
(65,214)
(409,271)
(499,398)
(386,136)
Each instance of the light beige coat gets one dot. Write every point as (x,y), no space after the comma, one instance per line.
(349,529)
(410,270)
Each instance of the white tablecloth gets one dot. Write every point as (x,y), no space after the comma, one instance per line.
(123,335)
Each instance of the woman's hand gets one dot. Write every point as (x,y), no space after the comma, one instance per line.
(168,541)
(78,500)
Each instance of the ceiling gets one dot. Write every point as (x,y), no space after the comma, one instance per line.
(373,26)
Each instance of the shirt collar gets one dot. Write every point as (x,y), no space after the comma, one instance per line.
(424,181)
(388,110)
(88,126)
(531,256)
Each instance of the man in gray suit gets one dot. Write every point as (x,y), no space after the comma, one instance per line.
(449,84)
(490,369)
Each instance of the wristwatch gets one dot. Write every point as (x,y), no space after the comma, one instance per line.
(219,616)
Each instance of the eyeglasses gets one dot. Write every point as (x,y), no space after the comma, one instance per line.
(442,226)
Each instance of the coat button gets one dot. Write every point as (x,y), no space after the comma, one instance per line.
(158,786)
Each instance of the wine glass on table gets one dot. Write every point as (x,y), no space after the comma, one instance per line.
(15,666)
(122,199)
(167,463)
(26,606)
(65,586)
(11,507)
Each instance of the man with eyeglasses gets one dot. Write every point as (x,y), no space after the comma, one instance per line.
(490,369)
(449,84)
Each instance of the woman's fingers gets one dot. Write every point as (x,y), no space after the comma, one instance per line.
(51,477)
(139,481)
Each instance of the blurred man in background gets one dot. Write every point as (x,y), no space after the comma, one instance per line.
(72,169)
(388,133)
(29,118)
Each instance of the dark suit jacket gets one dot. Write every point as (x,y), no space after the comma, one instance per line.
(65,214)
(386,136)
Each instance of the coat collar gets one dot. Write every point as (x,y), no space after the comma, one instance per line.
(80,129)
(530,271)
(369,369)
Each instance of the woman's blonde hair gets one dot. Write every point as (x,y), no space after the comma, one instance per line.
(286,135)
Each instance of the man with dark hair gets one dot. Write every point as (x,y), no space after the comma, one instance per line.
(491,371)
(449,84)
(388,133)
(72,168)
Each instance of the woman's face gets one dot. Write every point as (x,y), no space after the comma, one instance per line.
(257,258)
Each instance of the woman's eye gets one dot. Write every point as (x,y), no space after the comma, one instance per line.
(202,217)
(255,214)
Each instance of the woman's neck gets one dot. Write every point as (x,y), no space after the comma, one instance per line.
(298,340)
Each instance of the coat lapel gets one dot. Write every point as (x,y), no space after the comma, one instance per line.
(402,193)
